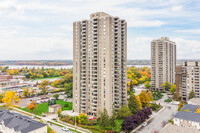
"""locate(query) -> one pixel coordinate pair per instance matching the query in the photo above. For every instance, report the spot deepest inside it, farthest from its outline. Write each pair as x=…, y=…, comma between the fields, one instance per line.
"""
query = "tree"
x=135, y=82
x=26, y=92
x=124, y=112
x=59, y=112
x=54, y=101
x=150, y=95
x=133, y=104
x=10, y=97
x=56, y=96
x=139, y=102
x=191, y=94
x=144, y=98
x=113, y=122
x=56, y=83
x=147, y=85
x=173, y=89
x=82, y=118
x=180, y=105
x=32, y=106
x=104, y=119
x=133, y=121
x=44, y=85
x=167, y=86
x=68, y=88
x=1, y=98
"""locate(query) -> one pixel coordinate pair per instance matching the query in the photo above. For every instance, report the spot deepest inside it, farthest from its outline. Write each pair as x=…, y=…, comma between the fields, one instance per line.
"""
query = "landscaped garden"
x=157, y=95
x=43, y=107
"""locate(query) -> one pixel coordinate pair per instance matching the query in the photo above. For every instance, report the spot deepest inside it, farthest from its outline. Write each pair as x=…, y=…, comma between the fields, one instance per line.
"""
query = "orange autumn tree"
x=32, y=106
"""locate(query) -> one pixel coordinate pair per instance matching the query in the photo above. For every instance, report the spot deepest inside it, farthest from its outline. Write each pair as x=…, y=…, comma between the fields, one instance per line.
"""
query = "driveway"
x=158, y=120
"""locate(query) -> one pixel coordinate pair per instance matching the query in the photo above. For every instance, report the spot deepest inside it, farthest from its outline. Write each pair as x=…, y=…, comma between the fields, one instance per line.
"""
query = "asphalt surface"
x=59, y=129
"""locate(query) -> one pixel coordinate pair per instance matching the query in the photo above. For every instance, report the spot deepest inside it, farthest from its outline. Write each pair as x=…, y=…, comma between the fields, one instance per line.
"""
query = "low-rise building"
x=169, y=128
x=9, y=82
x=194, y=101
x=187, y=119
x=17, y=123
x=54, y=108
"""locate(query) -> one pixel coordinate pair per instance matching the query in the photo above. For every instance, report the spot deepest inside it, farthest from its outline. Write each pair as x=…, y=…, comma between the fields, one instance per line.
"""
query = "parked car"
x=144, y=124
x=65, y=129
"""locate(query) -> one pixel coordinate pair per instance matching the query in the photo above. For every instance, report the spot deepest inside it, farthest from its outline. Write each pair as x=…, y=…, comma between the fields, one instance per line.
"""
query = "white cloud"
x=187, y=49
x=195, y=31
x=177, y=8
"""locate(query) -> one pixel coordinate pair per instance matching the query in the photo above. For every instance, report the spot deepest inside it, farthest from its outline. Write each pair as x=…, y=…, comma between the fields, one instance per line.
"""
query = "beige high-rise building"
x=163, y=62
x=99, y=64
x=190, y=79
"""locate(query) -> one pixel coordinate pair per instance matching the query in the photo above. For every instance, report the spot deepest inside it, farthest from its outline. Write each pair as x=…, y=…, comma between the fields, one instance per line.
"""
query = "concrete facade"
x=163, y=62
x=99, y=64
x=190, y=79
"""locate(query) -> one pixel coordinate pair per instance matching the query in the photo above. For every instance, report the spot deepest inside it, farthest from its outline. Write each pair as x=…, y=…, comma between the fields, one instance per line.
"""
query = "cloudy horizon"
x=42, y=29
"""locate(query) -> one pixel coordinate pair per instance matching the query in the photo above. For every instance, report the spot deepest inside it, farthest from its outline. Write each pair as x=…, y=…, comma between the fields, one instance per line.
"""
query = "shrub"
x=155, y=106
x=66, y=105
x=168, y=100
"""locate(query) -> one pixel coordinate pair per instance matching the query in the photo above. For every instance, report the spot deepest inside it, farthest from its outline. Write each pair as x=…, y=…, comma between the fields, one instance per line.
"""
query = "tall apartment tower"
x=99, y=64
x=163, y=62
x=190, y=79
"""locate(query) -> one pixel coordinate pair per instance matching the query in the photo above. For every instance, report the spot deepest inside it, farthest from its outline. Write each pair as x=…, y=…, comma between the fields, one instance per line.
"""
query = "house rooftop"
x=19, y=122
x=194, y=101
x=169, y=128
x=190, y=107
x=188, y=116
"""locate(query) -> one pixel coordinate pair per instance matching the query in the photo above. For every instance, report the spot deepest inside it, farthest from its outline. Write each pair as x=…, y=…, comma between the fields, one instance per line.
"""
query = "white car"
x=65, y=129
x=144, y=124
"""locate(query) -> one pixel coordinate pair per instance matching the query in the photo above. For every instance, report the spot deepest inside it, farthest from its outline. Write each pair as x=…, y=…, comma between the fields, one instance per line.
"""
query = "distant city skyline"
x=43, y=29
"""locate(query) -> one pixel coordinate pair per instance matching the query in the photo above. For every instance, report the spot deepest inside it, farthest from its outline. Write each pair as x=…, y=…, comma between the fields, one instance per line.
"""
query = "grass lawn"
x=43, y=107
x=117, y=128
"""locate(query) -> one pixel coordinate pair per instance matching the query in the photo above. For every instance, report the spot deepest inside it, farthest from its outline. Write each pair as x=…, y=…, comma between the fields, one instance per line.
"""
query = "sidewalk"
x=69, y=126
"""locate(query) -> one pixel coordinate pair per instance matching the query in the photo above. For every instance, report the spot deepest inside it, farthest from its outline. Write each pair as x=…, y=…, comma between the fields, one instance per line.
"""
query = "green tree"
x=56, y=96
x=124, y=112
x=133, y=104
x=167, y=86
x=113, y=122
x=104, y=119
x=68, y=88
x=173, y=89
x=1, y=97
x=191, y=94
x=147, y=85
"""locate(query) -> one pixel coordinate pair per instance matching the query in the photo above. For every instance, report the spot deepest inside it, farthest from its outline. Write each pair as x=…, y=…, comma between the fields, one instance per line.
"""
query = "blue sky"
x=42, y=29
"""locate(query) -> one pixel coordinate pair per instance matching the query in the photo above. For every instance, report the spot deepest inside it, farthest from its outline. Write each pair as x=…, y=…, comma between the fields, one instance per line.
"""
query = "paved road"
x=156, y=124
x=59, y=130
